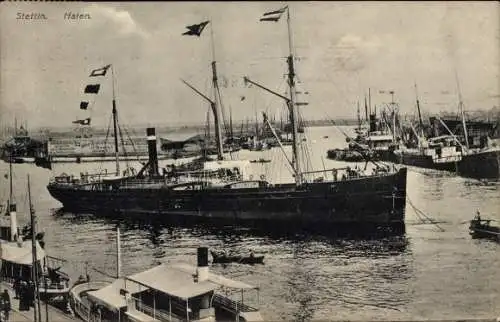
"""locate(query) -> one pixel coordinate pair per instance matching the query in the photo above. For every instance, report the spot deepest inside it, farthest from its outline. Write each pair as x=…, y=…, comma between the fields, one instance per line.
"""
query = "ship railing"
x=82, y=310
x=163, y=315
x=51, y=285
x=340, y=174
x=448, y=158
x=232, y=305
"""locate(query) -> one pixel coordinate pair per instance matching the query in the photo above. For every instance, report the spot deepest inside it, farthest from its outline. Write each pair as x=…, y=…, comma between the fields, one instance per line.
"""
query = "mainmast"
x=292, y=103
x=115, y=123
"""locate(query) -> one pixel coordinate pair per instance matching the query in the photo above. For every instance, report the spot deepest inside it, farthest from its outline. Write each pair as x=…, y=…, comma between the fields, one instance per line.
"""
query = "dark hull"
x=481, y=165
x=349, y=155
x=249, y=260
x=385, y=155
x=486, y=232
x=363, y=203
x=425, y=161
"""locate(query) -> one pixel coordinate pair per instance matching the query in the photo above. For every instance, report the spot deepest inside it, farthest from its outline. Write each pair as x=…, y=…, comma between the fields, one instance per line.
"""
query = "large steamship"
x=223, y=190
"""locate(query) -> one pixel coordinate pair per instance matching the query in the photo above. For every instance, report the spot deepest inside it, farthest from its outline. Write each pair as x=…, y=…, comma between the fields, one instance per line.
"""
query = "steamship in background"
x=376, y=138
x=469, y=148
x=224, y=190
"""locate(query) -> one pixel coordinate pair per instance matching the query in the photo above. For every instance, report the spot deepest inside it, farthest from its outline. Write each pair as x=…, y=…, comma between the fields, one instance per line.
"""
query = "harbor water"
x=436, y=271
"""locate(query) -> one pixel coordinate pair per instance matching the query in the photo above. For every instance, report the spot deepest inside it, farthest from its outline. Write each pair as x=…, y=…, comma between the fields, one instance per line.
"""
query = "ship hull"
x=481, y=165
x=426, y=161
x=366, y=202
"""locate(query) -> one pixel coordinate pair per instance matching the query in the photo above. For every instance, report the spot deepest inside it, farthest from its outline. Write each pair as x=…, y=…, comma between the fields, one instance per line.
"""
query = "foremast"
x=196, y=30
x=115, y=123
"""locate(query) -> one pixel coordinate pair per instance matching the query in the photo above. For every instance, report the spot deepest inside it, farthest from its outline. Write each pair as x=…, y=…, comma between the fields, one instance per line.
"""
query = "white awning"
x=173, y=281
x=110, y=296
x=20, y=253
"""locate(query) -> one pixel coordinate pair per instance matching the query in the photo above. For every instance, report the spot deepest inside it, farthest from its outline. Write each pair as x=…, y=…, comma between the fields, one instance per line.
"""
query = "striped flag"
x=273, y=15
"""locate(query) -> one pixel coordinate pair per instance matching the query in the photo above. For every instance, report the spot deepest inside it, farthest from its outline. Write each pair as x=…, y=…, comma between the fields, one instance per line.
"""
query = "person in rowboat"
x=478, y=216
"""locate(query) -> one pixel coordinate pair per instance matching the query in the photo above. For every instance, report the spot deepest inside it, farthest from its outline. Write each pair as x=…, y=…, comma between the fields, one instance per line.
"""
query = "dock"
x=55, y=314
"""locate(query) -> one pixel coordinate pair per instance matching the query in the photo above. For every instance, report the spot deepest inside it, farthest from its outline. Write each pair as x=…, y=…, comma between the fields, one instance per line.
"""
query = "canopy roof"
x=173, y=281
x=20, y=253
x=110, y=294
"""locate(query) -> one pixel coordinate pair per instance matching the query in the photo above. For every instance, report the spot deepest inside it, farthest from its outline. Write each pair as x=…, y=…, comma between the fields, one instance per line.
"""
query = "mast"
x=215, y=105
x=34, y=266
x=118, y=254
x=231, y=135
x=419, y=113
x=292, y=103
x=115, y=123
x=359, y=118
x=462, y=112
x=366, y=111
x=370, y=101
x=12, y=207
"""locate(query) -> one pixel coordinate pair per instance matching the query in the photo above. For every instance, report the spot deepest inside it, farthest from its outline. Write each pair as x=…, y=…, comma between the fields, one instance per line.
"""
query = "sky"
x=342, y=49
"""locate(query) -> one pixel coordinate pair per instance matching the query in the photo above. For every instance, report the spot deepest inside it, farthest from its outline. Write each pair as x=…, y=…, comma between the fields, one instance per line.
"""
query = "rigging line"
x=105, y=145
x=430, y=220
x=133, y=144
x=122, y=141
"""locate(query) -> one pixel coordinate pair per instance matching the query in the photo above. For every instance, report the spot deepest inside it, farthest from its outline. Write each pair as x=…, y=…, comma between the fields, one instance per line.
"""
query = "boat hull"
x=426, y=161
x=365, y=202
x=481, y=165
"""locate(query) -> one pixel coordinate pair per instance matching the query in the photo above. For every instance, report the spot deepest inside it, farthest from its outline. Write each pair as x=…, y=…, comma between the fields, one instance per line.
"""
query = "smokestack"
x=202, y=268
x=373, y=122
x=153, y=154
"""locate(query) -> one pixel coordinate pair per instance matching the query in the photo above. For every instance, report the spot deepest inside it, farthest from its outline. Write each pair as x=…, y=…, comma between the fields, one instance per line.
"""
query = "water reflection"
x=221, y=230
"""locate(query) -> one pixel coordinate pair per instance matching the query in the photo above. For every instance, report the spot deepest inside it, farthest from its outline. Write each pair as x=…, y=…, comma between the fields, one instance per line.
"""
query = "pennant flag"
x=43, y=163
x=195, y=30
x=92, y=89
x=83, y=122
x=84, y=105
x=273, y=15
x=100, y=71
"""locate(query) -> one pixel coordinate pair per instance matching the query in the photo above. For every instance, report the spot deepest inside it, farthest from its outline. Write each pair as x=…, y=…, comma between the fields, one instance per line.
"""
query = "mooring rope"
x=421, y=214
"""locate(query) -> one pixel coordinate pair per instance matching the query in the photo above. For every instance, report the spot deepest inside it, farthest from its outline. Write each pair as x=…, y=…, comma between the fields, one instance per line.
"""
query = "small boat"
x=261, y=160
x=224, y=259
x=481, y=228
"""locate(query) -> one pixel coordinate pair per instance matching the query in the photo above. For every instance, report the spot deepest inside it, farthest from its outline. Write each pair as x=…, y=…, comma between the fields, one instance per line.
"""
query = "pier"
x=54, y=314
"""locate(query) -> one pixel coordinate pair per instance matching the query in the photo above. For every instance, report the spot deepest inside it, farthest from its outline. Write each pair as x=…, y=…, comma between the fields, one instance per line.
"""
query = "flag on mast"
x=83, y=122
x=273, y=15
x=196, y=30
x=92, y=89
x=84, y=105
x=100, y=71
